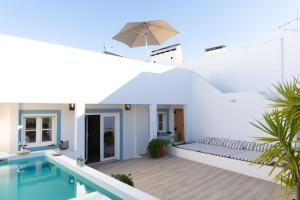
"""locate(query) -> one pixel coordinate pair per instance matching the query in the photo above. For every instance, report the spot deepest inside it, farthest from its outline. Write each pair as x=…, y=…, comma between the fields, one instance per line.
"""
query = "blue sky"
x=89, y=24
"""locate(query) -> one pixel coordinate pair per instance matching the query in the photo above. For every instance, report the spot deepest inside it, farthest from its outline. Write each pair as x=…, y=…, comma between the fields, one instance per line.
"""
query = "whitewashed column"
x=9, y=127
x=152, y=121
x=14, y=127
x=187, y=123
x=80, y=129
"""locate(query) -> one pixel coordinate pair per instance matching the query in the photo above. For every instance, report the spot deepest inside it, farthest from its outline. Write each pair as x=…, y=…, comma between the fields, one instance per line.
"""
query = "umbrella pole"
x=146, y=44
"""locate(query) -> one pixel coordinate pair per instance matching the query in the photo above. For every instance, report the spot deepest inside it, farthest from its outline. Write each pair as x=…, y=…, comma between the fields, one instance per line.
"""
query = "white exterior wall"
x=152, y=121
x=135, y=127
x=103, y=81
x=142, y=129
x=168, y=58
x=253, y=68
x=84, y=77
x=79, y=133
x=81, y=76
x=67, y=119
x=9, y=127
x=291, y=59
x=129, y=132
x=214, y=114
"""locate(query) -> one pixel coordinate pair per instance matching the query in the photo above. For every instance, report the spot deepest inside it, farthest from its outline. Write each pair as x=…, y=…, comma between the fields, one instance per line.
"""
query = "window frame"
x=30, y=130
x=39, y=129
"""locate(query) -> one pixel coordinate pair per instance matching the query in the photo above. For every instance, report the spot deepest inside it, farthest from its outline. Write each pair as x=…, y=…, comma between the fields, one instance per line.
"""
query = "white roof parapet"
x=39, y=72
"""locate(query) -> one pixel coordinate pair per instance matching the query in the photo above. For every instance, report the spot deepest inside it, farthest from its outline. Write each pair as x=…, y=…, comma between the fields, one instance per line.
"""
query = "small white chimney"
x=170, y=55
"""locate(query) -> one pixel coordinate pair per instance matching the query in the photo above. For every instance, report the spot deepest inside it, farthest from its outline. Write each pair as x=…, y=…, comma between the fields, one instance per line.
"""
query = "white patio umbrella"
x=136, y=34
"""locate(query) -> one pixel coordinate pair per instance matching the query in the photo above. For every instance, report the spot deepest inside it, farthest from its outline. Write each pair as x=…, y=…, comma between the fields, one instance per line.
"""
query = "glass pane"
x=46, y=135
x=30, y=136
x=160, y=121
x=160, y=126
x=160, y=118
x=30, y=123
x=109, y=137
x=47, y=122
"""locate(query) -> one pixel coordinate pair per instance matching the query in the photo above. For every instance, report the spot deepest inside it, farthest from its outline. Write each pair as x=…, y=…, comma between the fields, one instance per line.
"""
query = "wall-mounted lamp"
x=72, y=106
x=127, y=106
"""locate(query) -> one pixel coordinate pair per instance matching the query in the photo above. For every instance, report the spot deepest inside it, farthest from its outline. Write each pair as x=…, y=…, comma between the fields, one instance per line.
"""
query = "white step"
x=92, y=196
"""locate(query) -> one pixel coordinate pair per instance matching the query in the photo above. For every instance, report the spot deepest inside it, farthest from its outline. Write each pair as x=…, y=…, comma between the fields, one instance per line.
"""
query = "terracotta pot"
x=163, y=151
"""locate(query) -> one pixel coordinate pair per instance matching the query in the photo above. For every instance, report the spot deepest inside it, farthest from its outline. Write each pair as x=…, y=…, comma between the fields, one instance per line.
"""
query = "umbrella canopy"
x=136, y=34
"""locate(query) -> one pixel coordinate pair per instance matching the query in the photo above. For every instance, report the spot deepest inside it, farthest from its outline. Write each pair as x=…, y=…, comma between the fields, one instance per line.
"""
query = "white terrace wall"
x=65, y=75
x=253, y=68
x=217, y=114
x=242, y=73
x=291, y=59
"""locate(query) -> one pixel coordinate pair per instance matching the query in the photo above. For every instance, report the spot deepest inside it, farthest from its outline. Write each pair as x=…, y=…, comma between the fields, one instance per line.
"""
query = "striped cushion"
x=250, y=146
x=241, y=145
x=210, y=149
x=205, y=140
x=221, y=141
x=218, y=141
x=233, y=144
x=268, y=146
x=262, y=147
x=239, y=154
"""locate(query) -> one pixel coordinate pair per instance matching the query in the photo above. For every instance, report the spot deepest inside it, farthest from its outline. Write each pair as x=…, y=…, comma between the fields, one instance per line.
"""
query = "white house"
x=109, y=107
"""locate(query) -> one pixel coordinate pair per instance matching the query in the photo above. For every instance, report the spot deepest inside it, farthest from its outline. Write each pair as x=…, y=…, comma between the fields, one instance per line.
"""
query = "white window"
x=162, y=122
x=39, y=130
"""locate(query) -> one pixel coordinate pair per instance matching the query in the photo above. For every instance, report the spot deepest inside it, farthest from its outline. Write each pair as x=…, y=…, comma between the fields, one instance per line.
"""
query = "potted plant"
x=124, y=178
x=157, y=147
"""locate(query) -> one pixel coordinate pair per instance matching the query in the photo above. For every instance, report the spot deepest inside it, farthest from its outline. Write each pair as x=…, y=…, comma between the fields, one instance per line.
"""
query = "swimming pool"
x=39, y=178
x=46, y=178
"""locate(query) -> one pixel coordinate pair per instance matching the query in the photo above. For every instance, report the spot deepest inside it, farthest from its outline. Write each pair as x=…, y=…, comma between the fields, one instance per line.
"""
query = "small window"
x=162, y=122
x=30, y=130
x=47, y=129
x=39, y=130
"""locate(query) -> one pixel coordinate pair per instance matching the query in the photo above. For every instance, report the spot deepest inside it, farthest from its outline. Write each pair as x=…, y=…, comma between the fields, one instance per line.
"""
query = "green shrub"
x=155, y=146
x=124, y=178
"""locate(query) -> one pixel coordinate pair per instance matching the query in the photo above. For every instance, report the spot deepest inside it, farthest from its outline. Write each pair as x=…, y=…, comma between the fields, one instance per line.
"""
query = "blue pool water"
x=39, y=178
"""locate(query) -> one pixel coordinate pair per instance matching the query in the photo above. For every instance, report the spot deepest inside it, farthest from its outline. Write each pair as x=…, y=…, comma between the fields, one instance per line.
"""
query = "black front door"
x=92, y=127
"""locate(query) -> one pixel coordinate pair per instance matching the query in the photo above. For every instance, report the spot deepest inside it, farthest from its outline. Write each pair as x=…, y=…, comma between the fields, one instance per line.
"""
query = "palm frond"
x=288, y=99
x=284, y=154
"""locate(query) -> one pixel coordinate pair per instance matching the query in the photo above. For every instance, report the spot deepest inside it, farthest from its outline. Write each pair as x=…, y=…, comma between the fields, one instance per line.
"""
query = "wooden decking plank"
x=177, y=178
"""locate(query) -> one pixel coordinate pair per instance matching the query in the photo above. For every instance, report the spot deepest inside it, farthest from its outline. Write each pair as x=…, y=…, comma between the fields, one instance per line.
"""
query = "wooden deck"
x=176, y=178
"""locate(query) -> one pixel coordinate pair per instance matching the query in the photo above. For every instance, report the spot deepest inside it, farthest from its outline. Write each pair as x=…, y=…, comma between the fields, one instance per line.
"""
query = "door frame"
x=87, y=137
x=117, y=134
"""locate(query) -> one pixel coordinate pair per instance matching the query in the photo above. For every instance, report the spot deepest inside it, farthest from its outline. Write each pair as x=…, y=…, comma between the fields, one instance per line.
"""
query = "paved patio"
x=177, y=178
